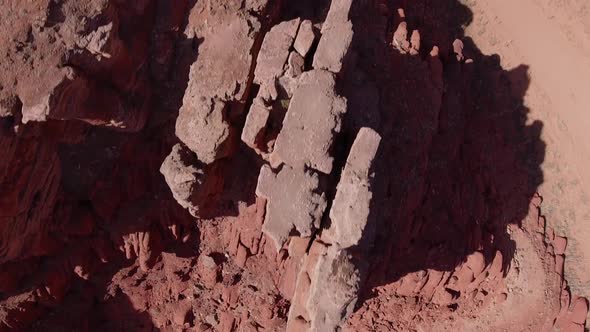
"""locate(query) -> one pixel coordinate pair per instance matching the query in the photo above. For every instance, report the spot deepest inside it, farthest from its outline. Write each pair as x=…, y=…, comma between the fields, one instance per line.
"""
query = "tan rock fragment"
x=326, y=291
x=222, y=67
x=458, y=49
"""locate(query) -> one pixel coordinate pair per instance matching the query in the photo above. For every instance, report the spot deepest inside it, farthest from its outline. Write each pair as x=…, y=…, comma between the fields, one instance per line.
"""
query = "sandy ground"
x=552, y=38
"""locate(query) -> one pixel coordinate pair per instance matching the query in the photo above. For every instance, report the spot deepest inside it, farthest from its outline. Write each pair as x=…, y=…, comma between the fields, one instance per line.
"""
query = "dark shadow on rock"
x=115, y=177
x=96, y=306
x=459, y=162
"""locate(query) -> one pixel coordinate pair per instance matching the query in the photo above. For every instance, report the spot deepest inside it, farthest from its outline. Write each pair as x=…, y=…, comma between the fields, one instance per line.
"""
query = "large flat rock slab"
x=313, y=119
x=295, y=202
x=336, y=38
x=350, y=210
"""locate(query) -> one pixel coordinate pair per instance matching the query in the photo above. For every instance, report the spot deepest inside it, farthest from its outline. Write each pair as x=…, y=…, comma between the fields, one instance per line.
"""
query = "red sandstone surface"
x=262, y=165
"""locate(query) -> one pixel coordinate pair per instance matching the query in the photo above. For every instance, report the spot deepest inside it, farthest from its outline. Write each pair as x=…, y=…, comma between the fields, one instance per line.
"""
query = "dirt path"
x=553, y=39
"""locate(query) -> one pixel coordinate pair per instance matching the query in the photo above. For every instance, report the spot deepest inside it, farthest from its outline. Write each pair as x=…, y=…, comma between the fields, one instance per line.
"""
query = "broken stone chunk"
x=334, y=290
x=336, y=38
x=189, y=180
x=295, y=202
x=255, y=123
x=295, y=64
x=326, y=291
x=275, y=51
x=305, y=38
x=350, y=209
x=312, y=120
x=204, y=130
x=208, y=271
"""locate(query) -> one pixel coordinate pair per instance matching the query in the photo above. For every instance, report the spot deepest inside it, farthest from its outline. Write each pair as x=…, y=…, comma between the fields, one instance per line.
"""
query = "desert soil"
x=552, y=38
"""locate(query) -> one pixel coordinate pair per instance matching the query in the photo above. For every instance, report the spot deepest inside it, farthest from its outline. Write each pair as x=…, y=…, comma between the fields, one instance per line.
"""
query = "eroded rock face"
x=333, y=291
x=50, y=88
x=26, y=205
x=312, y=121
x=222, y=66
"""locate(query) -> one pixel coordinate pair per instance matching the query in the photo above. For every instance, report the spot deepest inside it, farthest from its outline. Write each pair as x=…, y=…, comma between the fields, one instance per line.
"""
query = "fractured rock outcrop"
x=313, y=119
x=328, y=284
x=295, y=202
x=400, y=38
x=219, y=76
